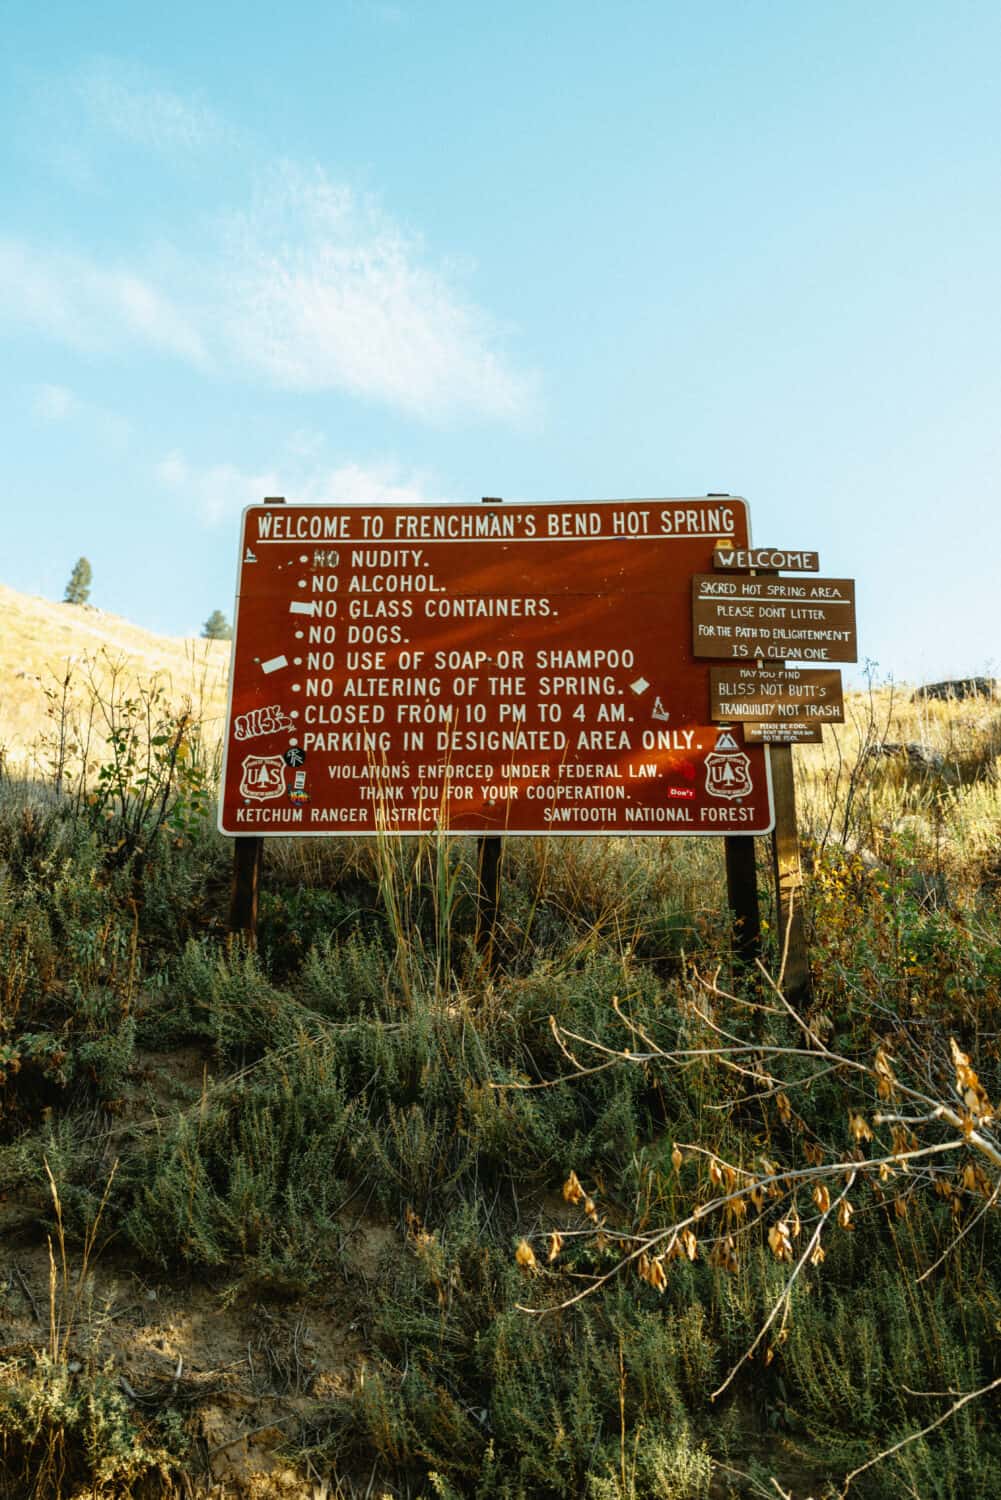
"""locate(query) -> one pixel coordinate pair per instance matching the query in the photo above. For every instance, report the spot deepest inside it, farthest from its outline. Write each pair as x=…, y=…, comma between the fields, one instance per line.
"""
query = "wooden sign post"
x=248, y=861
x=488, y=867
x=752, y=618
x=742, y=898
x=795, y=961
x=528, y=669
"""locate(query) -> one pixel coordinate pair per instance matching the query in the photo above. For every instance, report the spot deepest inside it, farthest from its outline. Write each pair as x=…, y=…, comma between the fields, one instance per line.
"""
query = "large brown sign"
x=774, y=694
x=810, y=619
x=480, y=668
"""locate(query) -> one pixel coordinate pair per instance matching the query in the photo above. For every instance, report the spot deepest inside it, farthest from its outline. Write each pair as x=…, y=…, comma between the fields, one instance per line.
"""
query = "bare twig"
x=25, y=1286
x=962, y=1233
x=244, y=1437
x=783, y=1300
x=789, y=1179
x=912, y=1437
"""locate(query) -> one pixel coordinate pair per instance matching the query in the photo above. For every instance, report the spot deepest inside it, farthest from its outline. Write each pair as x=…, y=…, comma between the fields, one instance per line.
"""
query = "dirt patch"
x=243, y=1375
x=366, y=1244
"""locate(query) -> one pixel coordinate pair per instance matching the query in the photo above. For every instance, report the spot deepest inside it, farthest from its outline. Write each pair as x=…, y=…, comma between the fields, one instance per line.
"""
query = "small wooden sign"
x=783, y=734
x=773, y=695
x=768, y=559
x=739, y=618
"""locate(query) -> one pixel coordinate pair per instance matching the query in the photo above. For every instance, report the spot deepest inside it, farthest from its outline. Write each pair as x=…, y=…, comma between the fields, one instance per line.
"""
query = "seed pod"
x=525, y=1256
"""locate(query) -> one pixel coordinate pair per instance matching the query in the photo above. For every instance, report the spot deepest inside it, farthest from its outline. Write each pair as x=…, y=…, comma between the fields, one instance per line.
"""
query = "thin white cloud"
x=301, y=285
x=305, y=442
x=57, y=404
x=217, y=492
x=54, y=403
x=326, y=293
x=79, y=302
x=355, y=484
x=130, y=102
x=72, y=164
x=379, y=10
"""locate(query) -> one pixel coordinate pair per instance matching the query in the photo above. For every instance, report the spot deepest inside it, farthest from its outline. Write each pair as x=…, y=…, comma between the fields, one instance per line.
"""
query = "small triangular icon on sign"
x=659, y=711
x=726, y=741
x=249, y=556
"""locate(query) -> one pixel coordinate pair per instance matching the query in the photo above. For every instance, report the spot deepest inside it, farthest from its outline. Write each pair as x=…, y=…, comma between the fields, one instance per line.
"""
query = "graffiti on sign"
x=261, y=721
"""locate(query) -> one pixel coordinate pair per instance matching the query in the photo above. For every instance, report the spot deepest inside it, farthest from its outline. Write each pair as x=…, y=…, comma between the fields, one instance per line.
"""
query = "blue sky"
x=351, y=251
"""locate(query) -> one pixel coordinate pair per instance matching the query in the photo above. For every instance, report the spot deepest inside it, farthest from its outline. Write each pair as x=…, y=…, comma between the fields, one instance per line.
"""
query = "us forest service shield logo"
x=728, y=769
x=263, y=777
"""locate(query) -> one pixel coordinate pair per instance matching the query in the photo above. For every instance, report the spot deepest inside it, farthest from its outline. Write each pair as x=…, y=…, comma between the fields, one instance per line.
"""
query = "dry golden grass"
x=42, y=642
x=937, y=795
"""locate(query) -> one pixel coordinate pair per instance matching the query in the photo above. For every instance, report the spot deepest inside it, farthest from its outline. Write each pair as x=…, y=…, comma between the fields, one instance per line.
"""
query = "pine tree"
x=217, y=627
x=78, y=588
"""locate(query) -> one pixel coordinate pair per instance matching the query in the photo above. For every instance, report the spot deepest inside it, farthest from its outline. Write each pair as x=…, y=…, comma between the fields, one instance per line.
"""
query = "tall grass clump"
x=67, y=1428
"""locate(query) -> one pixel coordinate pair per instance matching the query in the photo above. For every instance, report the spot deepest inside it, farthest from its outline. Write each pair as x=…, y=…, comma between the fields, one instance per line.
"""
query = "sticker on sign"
x=783, y=734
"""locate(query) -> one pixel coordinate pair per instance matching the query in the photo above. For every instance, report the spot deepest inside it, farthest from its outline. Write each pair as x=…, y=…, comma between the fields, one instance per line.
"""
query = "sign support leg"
x=742, y=897
x=488, y=853
x=797, y=984
x=248, y=860
x=248, y=857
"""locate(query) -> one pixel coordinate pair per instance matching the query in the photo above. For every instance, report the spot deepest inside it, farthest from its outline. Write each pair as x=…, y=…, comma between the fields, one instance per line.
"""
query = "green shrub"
x=251, y=1177
x=67, y=1432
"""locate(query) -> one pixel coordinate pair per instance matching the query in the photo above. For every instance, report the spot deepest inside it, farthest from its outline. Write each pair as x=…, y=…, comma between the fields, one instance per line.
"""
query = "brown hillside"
x=42, y=643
